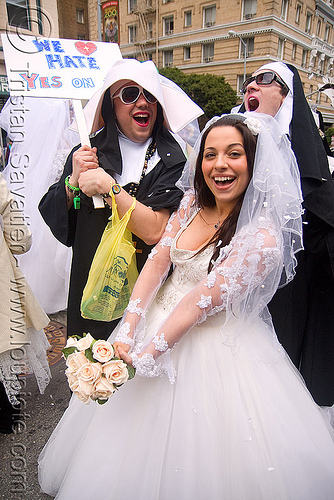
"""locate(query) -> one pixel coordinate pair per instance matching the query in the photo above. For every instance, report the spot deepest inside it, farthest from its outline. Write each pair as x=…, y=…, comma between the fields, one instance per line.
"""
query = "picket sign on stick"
x=61, y=68
x=85, y=141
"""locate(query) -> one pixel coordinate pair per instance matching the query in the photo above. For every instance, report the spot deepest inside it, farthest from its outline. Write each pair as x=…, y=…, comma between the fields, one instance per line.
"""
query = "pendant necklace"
x=216, y=225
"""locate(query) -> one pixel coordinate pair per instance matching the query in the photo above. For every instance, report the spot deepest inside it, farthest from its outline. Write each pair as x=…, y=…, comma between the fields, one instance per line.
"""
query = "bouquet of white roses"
x=93, y=371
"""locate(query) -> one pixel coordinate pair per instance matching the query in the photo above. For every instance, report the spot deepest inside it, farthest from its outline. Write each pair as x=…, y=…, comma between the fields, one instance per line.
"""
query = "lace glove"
x=125, y=332
x=147, y=366
x=153, y=274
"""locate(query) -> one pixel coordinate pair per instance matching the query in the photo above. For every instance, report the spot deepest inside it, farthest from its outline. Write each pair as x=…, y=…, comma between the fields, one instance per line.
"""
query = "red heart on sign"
x=85, y=48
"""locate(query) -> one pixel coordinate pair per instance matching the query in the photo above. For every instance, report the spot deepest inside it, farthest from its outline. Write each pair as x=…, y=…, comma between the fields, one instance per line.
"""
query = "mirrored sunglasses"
x=129, y=95
x=262, y=79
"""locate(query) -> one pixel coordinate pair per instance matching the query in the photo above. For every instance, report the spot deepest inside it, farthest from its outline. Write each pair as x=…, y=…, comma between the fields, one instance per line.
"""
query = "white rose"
x=79, y=392
x=71, y=342
x=103, y=351
x=85, y=388
x=71, y=377
x=75, y=360
x=103, y=389
x=116, y=372
x=89, y=372
x=85, y=342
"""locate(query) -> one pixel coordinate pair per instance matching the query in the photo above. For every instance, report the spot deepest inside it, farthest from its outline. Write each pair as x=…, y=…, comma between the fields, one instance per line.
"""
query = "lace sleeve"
x=236, y=285
x=152, y=276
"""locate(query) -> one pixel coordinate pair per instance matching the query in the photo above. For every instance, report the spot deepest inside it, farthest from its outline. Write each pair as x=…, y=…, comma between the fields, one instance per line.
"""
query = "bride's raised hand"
x=120, y=346
x=123, y=354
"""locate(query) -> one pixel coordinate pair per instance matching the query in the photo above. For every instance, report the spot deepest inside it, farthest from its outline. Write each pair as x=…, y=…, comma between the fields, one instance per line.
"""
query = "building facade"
x=74, y=19
x=33, y=17
x=234, y=37
x=222, y=37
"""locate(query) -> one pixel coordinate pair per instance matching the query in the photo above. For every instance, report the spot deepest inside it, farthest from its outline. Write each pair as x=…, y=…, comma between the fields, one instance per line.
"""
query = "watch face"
x=116, y=188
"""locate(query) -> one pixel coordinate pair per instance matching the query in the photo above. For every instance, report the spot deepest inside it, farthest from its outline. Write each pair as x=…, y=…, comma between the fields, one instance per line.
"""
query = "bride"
x=216, y=409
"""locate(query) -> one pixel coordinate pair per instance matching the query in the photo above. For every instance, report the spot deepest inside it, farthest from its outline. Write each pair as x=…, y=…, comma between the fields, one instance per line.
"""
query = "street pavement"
x=19, y=452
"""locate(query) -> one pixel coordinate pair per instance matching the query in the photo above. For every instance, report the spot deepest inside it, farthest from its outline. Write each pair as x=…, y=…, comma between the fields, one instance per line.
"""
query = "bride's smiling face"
x=224, y=165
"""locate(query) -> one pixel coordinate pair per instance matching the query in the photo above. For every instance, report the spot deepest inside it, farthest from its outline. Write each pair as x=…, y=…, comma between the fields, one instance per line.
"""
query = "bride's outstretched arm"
x=239, y=278
x=150, y=279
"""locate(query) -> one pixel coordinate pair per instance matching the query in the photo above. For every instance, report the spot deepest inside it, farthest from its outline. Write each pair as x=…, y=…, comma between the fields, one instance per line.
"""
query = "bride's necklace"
x=215, y=225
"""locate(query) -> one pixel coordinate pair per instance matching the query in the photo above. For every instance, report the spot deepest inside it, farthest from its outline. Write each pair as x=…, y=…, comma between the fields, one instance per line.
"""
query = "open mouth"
x=253, y=103
x=142, y=119
x=223, y=180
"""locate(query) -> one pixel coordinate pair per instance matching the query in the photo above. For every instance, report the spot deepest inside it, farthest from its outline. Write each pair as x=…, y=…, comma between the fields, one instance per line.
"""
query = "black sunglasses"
x=262, y=79
x=129, y=95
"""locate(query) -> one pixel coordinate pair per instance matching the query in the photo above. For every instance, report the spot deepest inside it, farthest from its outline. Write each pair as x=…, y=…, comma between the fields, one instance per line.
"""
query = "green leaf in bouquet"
x=101, y=401
x=131, y=371
x=69, y=350
x=89, y=355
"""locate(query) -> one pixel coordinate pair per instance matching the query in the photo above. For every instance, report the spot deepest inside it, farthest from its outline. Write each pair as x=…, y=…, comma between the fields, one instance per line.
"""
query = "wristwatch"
x=115, y=188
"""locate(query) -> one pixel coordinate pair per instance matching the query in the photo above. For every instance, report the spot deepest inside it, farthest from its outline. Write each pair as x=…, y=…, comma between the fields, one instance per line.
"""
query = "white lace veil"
x=273, y=194
x=275, y=185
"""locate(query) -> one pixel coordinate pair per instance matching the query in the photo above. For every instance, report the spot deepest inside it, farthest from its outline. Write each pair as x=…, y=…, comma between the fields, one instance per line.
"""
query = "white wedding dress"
x=238, y=423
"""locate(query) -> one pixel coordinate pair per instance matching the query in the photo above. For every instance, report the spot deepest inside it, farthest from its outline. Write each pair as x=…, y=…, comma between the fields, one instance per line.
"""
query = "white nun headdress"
x=284, y=114
x=178, y=109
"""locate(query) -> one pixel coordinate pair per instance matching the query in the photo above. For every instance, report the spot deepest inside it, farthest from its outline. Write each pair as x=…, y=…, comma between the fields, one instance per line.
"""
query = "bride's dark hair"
x=205, y=197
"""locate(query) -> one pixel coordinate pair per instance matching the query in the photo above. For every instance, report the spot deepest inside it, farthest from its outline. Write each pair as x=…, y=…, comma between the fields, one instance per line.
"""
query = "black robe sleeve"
x=53, y=208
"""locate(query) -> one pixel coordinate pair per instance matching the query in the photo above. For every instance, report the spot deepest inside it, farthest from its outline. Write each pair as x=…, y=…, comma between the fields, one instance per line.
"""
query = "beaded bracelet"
x=76, y=199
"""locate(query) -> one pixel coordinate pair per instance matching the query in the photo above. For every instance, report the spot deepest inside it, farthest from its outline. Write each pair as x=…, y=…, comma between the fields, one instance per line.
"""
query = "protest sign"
x=53, y=67
x=58, y=68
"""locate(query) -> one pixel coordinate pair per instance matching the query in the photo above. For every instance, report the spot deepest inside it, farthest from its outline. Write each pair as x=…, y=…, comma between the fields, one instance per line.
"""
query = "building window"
x=280, y=48
x=318, y=28
x=149, y=30
x=327, y=32
x=240, y=82
x=249, y=9
x=249, y=47
x=208, y=52
x=186, y=53
x=284, y=9
x=308, y=22
x=168, y=58
x=167, y=1
x=187, y=18
x=39, y=17
x=81, y=36
x=168, y=25
x=304, y=58
x=132, y=6
x=298, y=11
x=132, y=30
x=18, y=13
x=209, y=16
x=80, y=16
x=294, y=51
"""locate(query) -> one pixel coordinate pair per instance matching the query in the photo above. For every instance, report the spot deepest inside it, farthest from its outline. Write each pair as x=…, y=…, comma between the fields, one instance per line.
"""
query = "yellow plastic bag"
x=113, y=271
